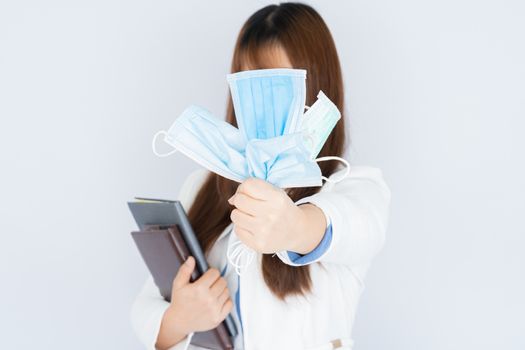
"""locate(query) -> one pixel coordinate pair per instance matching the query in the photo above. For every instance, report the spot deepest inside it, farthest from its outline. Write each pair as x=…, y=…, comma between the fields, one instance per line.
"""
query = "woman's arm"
x=358, y=209
x=311, y=227
x=146, y=314
x=195, y=306
x=344, y=223
x=169, y=334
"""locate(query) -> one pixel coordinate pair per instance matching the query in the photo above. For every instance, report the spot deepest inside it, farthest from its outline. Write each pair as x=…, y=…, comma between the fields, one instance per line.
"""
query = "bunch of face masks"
x=276, y=141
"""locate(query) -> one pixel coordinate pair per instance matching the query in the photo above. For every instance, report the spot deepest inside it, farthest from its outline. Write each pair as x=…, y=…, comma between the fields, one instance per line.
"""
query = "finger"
x=226, y=308
x=184, y=274
x=241, y=219
x=218, y=287
x=247, y=204
x=257, y=188
x=223, y=297
x=209, y=277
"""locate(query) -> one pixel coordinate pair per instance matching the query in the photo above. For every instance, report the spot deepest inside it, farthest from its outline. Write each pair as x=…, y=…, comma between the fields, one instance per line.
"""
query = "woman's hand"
x=268, y=221
x=195, y=307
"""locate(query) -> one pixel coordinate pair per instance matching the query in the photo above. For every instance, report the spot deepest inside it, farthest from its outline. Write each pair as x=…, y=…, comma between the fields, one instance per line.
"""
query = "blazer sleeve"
x=357, y=208
x=149, y=306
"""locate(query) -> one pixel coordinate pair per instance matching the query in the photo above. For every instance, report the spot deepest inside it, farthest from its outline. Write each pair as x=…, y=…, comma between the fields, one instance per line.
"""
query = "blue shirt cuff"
x=321, y=248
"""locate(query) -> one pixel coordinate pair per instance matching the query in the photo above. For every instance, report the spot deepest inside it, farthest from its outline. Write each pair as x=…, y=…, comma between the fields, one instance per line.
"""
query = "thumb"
x=183, y=276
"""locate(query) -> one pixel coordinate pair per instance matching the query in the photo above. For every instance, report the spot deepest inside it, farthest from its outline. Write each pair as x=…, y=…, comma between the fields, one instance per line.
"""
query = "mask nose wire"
x=154, y=145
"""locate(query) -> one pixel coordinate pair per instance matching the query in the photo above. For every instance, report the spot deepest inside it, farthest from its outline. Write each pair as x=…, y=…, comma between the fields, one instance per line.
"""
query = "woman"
x=308, y=299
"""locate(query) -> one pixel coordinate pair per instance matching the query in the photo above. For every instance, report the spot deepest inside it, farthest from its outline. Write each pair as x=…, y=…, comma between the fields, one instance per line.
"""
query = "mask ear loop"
x=154, y=145
x=344, y=161
x=239, y=255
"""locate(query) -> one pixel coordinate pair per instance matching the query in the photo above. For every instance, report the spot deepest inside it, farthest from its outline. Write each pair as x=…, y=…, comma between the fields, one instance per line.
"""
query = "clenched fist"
x=268, y=221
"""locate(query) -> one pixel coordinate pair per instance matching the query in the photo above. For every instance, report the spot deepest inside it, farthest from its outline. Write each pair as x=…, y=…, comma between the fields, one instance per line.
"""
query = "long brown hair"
x=302, y=33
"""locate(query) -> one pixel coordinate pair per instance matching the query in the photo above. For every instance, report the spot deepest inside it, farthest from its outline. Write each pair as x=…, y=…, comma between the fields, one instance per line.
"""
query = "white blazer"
x=357, y=208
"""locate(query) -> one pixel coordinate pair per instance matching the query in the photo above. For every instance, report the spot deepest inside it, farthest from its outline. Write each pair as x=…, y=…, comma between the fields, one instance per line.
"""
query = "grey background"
x=435, y=98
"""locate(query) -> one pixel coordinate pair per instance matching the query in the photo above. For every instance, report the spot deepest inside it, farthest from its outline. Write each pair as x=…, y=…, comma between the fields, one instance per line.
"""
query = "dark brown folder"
x=164, y=250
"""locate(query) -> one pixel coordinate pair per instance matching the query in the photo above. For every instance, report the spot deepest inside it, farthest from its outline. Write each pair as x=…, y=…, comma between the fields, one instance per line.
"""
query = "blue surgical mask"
x=284, y=161
x=268, y=102
x=209, y=141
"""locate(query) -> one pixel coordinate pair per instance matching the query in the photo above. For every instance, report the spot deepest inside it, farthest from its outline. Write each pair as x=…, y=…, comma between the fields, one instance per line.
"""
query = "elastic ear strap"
x=239, y=255
x=154, y=145
x=344, y=161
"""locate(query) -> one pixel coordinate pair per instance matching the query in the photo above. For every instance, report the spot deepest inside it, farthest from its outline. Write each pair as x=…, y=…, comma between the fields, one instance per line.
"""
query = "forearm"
x=169, y=333
x=311, y=227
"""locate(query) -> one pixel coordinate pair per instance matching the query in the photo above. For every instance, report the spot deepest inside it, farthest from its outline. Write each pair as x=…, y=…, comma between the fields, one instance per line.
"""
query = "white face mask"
x=317, y=123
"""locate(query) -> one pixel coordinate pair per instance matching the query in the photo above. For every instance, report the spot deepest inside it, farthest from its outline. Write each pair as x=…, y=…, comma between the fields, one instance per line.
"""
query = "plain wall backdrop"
x=435, y=97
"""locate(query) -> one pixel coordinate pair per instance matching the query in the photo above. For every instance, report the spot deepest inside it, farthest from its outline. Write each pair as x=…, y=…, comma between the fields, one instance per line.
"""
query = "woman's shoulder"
x=191, y=186
x=365, y=171
x=358, y=171
x=360, y=176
